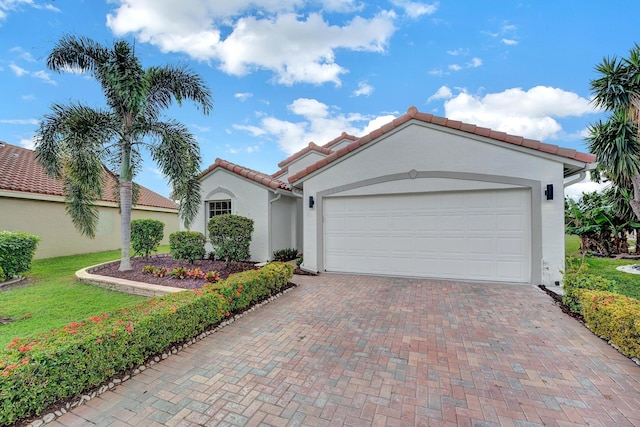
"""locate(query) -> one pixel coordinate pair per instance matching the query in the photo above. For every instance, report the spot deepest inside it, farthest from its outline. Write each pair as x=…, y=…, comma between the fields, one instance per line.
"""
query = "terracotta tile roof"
x=259, y=177
x=342, y=137
x=413, y=114
x=20, y=171
x=311, y=147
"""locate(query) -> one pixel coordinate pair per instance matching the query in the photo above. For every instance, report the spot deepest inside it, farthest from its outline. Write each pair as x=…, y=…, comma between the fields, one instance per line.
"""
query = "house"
x=32, y=202
x=423, y=196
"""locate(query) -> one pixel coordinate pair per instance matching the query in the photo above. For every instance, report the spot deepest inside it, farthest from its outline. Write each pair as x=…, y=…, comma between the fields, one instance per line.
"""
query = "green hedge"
x=613, y=317
x=39, y=371
x=578, y=280
x=187, y=245
x=146, y=235
x=230, y=237
x=16, y=253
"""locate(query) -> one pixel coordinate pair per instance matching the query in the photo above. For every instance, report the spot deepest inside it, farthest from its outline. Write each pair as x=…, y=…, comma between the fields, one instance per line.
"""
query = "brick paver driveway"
x=356, y=350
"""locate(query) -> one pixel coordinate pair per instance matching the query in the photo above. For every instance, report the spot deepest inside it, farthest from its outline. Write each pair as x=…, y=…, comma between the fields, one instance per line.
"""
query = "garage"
x=466, y=235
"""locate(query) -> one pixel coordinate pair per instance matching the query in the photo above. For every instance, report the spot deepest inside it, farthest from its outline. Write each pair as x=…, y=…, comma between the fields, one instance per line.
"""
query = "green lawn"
x=55, y=298
x=628, y=284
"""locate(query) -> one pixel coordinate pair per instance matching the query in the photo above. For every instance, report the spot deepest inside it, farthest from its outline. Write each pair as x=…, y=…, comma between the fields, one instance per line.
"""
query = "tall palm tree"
x=616, y=142
x=74, y=141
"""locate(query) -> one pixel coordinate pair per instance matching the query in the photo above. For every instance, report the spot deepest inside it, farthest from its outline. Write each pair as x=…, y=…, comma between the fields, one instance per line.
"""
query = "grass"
x=628, y=284
x=54, y=298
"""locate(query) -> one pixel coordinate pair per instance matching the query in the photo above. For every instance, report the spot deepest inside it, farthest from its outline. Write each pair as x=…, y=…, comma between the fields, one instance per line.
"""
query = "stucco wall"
x=424, y=148
x=58, y=237
x=283, y=224
x=300, y=163
x=248, y=199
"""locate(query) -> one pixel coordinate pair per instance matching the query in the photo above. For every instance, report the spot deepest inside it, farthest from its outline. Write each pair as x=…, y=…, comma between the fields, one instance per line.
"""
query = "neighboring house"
x=422, y=196
x=32, y=202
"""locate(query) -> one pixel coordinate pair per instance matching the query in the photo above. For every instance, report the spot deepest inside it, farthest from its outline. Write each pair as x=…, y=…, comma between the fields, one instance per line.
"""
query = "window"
x=219, y=207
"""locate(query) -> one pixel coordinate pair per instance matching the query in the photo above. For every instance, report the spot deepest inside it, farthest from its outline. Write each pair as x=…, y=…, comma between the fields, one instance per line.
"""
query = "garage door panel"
x=471, y=235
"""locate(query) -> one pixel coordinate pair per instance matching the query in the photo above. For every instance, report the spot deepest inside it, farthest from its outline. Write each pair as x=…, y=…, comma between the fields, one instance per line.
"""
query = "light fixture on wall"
x=311, y=202
x=549, y=192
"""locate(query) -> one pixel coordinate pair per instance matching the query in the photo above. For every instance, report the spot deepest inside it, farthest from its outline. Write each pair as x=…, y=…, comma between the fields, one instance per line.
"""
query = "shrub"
x=179, y=272
x=16, y=252
x=146, y=235
x=39, y=371
x=2, y=278
x=212, y=276
x=284, y=255
x=187, y=245
x=613, y=317
x=230, y=236
x=577, y=280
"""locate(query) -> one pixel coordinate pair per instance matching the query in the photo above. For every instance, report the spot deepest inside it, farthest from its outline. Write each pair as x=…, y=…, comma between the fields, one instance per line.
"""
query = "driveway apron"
x=361, y=350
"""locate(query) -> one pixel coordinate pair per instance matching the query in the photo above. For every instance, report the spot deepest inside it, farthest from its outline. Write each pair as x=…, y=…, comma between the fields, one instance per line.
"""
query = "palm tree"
x=616, y=142
x=74, y=141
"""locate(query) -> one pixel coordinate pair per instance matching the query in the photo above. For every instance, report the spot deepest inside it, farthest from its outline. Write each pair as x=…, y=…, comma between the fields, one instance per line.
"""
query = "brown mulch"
x=205, y=265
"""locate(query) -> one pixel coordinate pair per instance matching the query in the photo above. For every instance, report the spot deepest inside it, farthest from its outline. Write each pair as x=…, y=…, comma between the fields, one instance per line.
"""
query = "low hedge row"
x=48, y=368
x=613, y=317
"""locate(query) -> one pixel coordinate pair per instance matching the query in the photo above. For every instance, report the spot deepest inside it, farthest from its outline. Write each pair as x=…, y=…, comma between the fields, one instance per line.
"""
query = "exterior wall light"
x=549, y=192
x=311, y=202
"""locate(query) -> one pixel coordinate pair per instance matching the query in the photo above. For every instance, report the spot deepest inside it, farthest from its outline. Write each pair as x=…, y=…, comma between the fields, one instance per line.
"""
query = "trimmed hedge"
x=39, y=371
x=187, y=245
x=16, y=252
x=146, y=235
x=577, y=281
x=613, y=317
x=230, y=236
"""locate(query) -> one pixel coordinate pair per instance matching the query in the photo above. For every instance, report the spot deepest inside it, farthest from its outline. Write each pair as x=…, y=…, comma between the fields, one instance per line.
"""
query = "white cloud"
x=415, y=9
x=455, y=67
x=475, y=63
x=442, y=93
x=243, y=96
x=363, y=89
x=318, y=122
x=44, y=76
x=18, y=71
x=585, y=186
x=509, y=42
x=529, y=113
x=457, y=52
x=22, y=54
x=20, y=121
x=27, y=143
x=248, y=35
x=7, y=6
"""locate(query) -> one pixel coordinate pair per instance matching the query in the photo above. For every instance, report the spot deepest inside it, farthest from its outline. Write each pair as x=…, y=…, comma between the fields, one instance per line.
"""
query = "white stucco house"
x=422, y=196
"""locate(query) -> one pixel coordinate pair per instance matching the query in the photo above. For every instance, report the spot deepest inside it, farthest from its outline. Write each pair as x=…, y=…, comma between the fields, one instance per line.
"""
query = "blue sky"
x=287, y=72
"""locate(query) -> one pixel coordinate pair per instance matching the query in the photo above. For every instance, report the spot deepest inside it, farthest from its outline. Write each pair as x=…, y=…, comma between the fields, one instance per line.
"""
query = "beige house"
x=423, y=196
x=32, y=202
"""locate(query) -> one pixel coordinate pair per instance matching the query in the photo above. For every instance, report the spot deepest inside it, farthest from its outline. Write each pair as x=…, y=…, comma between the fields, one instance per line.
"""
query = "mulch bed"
x=205, y=265
x=138, y=263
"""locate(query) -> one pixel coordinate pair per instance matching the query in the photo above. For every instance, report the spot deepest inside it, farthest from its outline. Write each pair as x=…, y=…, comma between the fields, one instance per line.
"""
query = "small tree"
x=146, y=235
x=230, y=237
x=187, y=245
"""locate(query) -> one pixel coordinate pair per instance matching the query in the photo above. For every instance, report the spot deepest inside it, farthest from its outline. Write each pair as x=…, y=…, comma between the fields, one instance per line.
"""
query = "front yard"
x=55, y=298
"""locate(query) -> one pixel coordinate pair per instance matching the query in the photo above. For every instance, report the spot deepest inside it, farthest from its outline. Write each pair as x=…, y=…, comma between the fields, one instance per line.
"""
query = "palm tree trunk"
x=125, y=225
x=635, y=197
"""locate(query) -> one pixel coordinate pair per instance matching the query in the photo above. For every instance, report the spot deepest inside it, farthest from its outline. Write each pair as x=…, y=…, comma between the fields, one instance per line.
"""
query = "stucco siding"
x=58, y=237
x=300, y=163
x=248, y=199
x=421, y=158
x=283, y=224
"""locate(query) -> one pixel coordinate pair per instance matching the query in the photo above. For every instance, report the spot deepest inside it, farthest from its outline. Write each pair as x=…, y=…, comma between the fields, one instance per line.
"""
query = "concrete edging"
x=123, y=285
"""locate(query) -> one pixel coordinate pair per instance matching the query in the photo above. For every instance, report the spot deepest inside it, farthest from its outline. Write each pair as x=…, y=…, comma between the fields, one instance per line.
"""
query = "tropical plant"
x=74, y=141
x=230, y=236
x=616, y=142
x=146, y=235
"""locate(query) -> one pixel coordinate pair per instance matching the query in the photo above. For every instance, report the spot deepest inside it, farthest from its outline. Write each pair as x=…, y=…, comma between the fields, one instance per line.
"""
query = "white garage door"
x=468, y=235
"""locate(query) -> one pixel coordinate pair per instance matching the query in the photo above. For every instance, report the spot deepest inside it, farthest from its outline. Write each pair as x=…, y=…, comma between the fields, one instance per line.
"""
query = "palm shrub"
x=16, y=253
x=230, y=236
x=146, y=235
x=187, y=245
